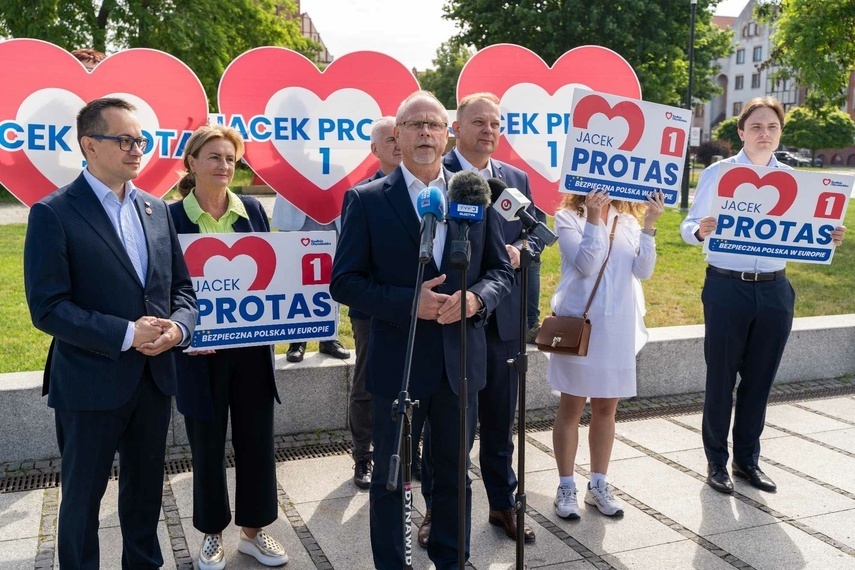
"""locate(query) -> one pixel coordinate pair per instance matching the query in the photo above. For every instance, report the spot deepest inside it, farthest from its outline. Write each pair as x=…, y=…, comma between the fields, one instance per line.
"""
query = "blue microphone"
x=430, y=205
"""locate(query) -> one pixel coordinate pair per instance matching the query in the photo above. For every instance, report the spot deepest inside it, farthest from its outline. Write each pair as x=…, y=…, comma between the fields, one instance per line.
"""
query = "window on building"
x=738, y=82
x=740, y=56
x=737, y=107
x=758, y=53
x=755, y=81
x=699, y=110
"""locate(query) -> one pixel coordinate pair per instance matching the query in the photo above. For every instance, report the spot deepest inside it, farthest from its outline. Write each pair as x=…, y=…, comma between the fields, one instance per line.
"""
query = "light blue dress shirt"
x=702, y=207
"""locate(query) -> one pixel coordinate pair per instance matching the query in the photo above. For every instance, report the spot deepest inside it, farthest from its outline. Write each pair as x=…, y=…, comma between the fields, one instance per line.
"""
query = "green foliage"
x=826, y=128
x=708, y=149
x=728, y=131
x=652, y=36
x=205, y=34
x=814, y=42
x=442, y=79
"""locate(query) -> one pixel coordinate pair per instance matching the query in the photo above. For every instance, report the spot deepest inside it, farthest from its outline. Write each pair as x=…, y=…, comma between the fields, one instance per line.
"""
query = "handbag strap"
x=602, y=269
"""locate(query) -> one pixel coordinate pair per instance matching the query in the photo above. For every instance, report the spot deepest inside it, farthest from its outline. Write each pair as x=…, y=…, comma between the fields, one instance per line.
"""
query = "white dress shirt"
x=414, y=186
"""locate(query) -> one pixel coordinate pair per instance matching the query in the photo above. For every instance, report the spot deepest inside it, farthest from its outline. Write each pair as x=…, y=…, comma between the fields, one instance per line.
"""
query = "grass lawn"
x=673, y=293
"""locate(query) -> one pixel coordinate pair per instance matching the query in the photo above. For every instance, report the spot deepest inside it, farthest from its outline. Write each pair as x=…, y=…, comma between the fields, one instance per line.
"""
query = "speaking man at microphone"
x=374, y=272
x=477, y=132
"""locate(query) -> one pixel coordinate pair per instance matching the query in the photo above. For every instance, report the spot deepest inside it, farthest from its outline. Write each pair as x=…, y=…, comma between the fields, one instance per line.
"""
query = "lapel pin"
x=148, y=207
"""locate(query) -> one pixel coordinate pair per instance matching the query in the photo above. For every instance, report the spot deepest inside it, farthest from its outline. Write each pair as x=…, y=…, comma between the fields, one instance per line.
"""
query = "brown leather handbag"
x=570, y=335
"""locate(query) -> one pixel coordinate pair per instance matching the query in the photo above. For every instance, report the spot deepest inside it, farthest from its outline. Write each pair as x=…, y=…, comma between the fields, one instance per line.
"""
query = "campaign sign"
x=535, y=103
x=775, y=212
x=307, y=131
x=261, y=288
x=44, y=87
x=625, y=146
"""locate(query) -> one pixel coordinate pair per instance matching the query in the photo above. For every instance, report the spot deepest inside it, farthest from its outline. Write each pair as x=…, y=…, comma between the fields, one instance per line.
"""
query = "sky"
x=413, y=30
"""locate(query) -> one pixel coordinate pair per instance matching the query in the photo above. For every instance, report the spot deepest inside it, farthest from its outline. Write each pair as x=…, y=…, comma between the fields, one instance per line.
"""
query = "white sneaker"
x=264, y=548
x=602, y=498
x=566, y=505
x=211, y=555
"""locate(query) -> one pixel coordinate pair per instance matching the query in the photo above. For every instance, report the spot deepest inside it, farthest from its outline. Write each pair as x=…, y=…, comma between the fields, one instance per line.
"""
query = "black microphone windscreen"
x=496, y=188
x=469, y=187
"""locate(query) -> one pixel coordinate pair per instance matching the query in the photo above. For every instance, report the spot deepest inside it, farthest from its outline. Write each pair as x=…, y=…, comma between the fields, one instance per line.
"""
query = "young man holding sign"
x=748, y=314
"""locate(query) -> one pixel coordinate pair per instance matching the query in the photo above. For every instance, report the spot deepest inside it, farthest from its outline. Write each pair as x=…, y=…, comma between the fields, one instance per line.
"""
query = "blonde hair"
x=576, y=203
x=197, y=140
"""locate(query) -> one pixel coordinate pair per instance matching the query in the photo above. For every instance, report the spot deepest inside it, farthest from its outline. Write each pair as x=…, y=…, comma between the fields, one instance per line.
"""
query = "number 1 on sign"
x=553, y=153
x=325, y=159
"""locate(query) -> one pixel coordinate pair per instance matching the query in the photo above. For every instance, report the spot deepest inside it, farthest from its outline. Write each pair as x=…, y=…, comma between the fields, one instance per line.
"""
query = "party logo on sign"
x=200, y=251
x=781, y=181
x=626, y=110
x=535, y=102
x=307, y=131
x=44, y=87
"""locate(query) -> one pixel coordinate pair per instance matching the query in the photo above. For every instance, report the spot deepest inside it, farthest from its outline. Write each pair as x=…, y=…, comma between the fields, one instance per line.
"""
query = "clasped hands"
x=443, y=308
x=153, y=335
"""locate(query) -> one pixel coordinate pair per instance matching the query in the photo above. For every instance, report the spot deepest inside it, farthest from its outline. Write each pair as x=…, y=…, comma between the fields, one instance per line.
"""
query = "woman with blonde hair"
x=238, y=381
x=593, y=231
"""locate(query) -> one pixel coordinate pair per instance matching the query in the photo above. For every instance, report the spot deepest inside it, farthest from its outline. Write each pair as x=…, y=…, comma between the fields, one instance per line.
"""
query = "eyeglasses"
x=417, y=126
x=125, y=143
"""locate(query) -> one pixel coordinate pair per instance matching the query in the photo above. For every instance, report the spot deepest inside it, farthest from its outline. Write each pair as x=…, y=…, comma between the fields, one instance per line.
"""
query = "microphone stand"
x=402, y=414
x=520, y=363
x=460, y=256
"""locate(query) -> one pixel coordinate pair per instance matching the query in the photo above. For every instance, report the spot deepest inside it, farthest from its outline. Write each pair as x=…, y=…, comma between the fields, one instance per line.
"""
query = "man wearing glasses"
x=373, y=272
x=105, y=277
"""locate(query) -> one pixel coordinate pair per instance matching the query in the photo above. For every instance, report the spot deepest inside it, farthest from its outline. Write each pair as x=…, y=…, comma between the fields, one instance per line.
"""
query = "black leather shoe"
x=296, y=351
x=718, y=479
x=755, y=477
x=507, y=519
x=362, y=473
x=424, y=530
x=334, y=348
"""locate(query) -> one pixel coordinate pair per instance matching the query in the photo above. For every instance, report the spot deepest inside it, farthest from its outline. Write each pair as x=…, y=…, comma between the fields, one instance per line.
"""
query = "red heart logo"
x=305, y=241
x=313, y=144
x=826, y=181
x=44, y=87
x=593, y=104
x=668, y=115
x=783, y=182
x=526, y=85
x=203, y=249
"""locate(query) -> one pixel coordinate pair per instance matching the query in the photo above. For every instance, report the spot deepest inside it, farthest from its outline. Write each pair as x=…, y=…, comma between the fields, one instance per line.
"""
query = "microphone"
x=430, y=205
x=468, y=195
x=511, y=204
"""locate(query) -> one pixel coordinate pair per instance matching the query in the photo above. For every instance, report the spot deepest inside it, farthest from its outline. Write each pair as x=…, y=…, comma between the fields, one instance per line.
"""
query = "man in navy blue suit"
x=477, y=130
x=374, y=272
x=105, y=277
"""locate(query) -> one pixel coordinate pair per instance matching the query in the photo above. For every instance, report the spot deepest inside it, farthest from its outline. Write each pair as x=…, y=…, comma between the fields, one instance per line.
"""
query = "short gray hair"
x=382, y=122
x=415, y=96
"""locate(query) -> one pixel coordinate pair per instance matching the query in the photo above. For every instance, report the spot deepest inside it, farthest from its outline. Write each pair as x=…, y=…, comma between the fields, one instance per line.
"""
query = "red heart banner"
x=307, y=131
x=203, y=249
x=781, y=181
x=43, y=89
x=535, y=103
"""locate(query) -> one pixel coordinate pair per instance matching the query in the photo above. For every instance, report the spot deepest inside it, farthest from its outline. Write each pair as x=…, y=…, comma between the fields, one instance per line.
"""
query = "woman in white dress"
x=607, y=373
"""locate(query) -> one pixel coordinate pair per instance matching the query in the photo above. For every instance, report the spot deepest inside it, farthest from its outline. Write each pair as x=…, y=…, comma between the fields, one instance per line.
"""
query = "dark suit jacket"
x=375, y=270
x=82, y=290
x=194, y=397
x=507, y=314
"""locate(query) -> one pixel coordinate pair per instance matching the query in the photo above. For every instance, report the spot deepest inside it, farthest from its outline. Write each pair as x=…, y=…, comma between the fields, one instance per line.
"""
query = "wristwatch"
x=651, y=233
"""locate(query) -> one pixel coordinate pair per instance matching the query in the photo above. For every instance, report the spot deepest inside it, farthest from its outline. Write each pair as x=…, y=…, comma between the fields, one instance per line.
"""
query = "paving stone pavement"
x=672, y=518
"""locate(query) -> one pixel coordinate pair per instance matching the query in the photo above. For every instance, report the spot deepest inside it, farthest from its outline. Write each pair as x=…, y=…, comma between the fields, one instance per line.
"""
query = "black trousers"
x=360, y=409
x=747, y=325
x=88, y=441
x=240, y=386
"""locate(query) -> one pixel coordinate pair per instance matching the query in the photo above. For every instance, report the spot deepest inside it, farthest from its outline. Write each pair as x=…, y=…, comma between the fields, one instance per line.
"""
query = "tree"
x=652, y=36
x=450, y=58
x=205, y=34
x=727, y=131
x=707, y=150
x=827, y=128
x=813, y=42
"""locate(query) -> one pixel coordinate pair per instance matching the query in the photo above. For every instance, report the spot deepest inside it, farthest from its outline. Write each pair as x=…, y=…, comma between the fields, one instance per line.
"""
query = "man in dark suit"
x=374, y=272
x=385, y=147
x=477, y=135
x=105, y=277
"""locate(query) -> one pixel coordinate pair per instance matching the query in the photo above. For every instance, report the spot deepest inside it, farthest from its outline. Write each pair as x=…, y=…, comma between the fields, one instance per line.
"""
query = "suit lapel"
x=399, y=198
x=86, y=204
x=143, y=204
